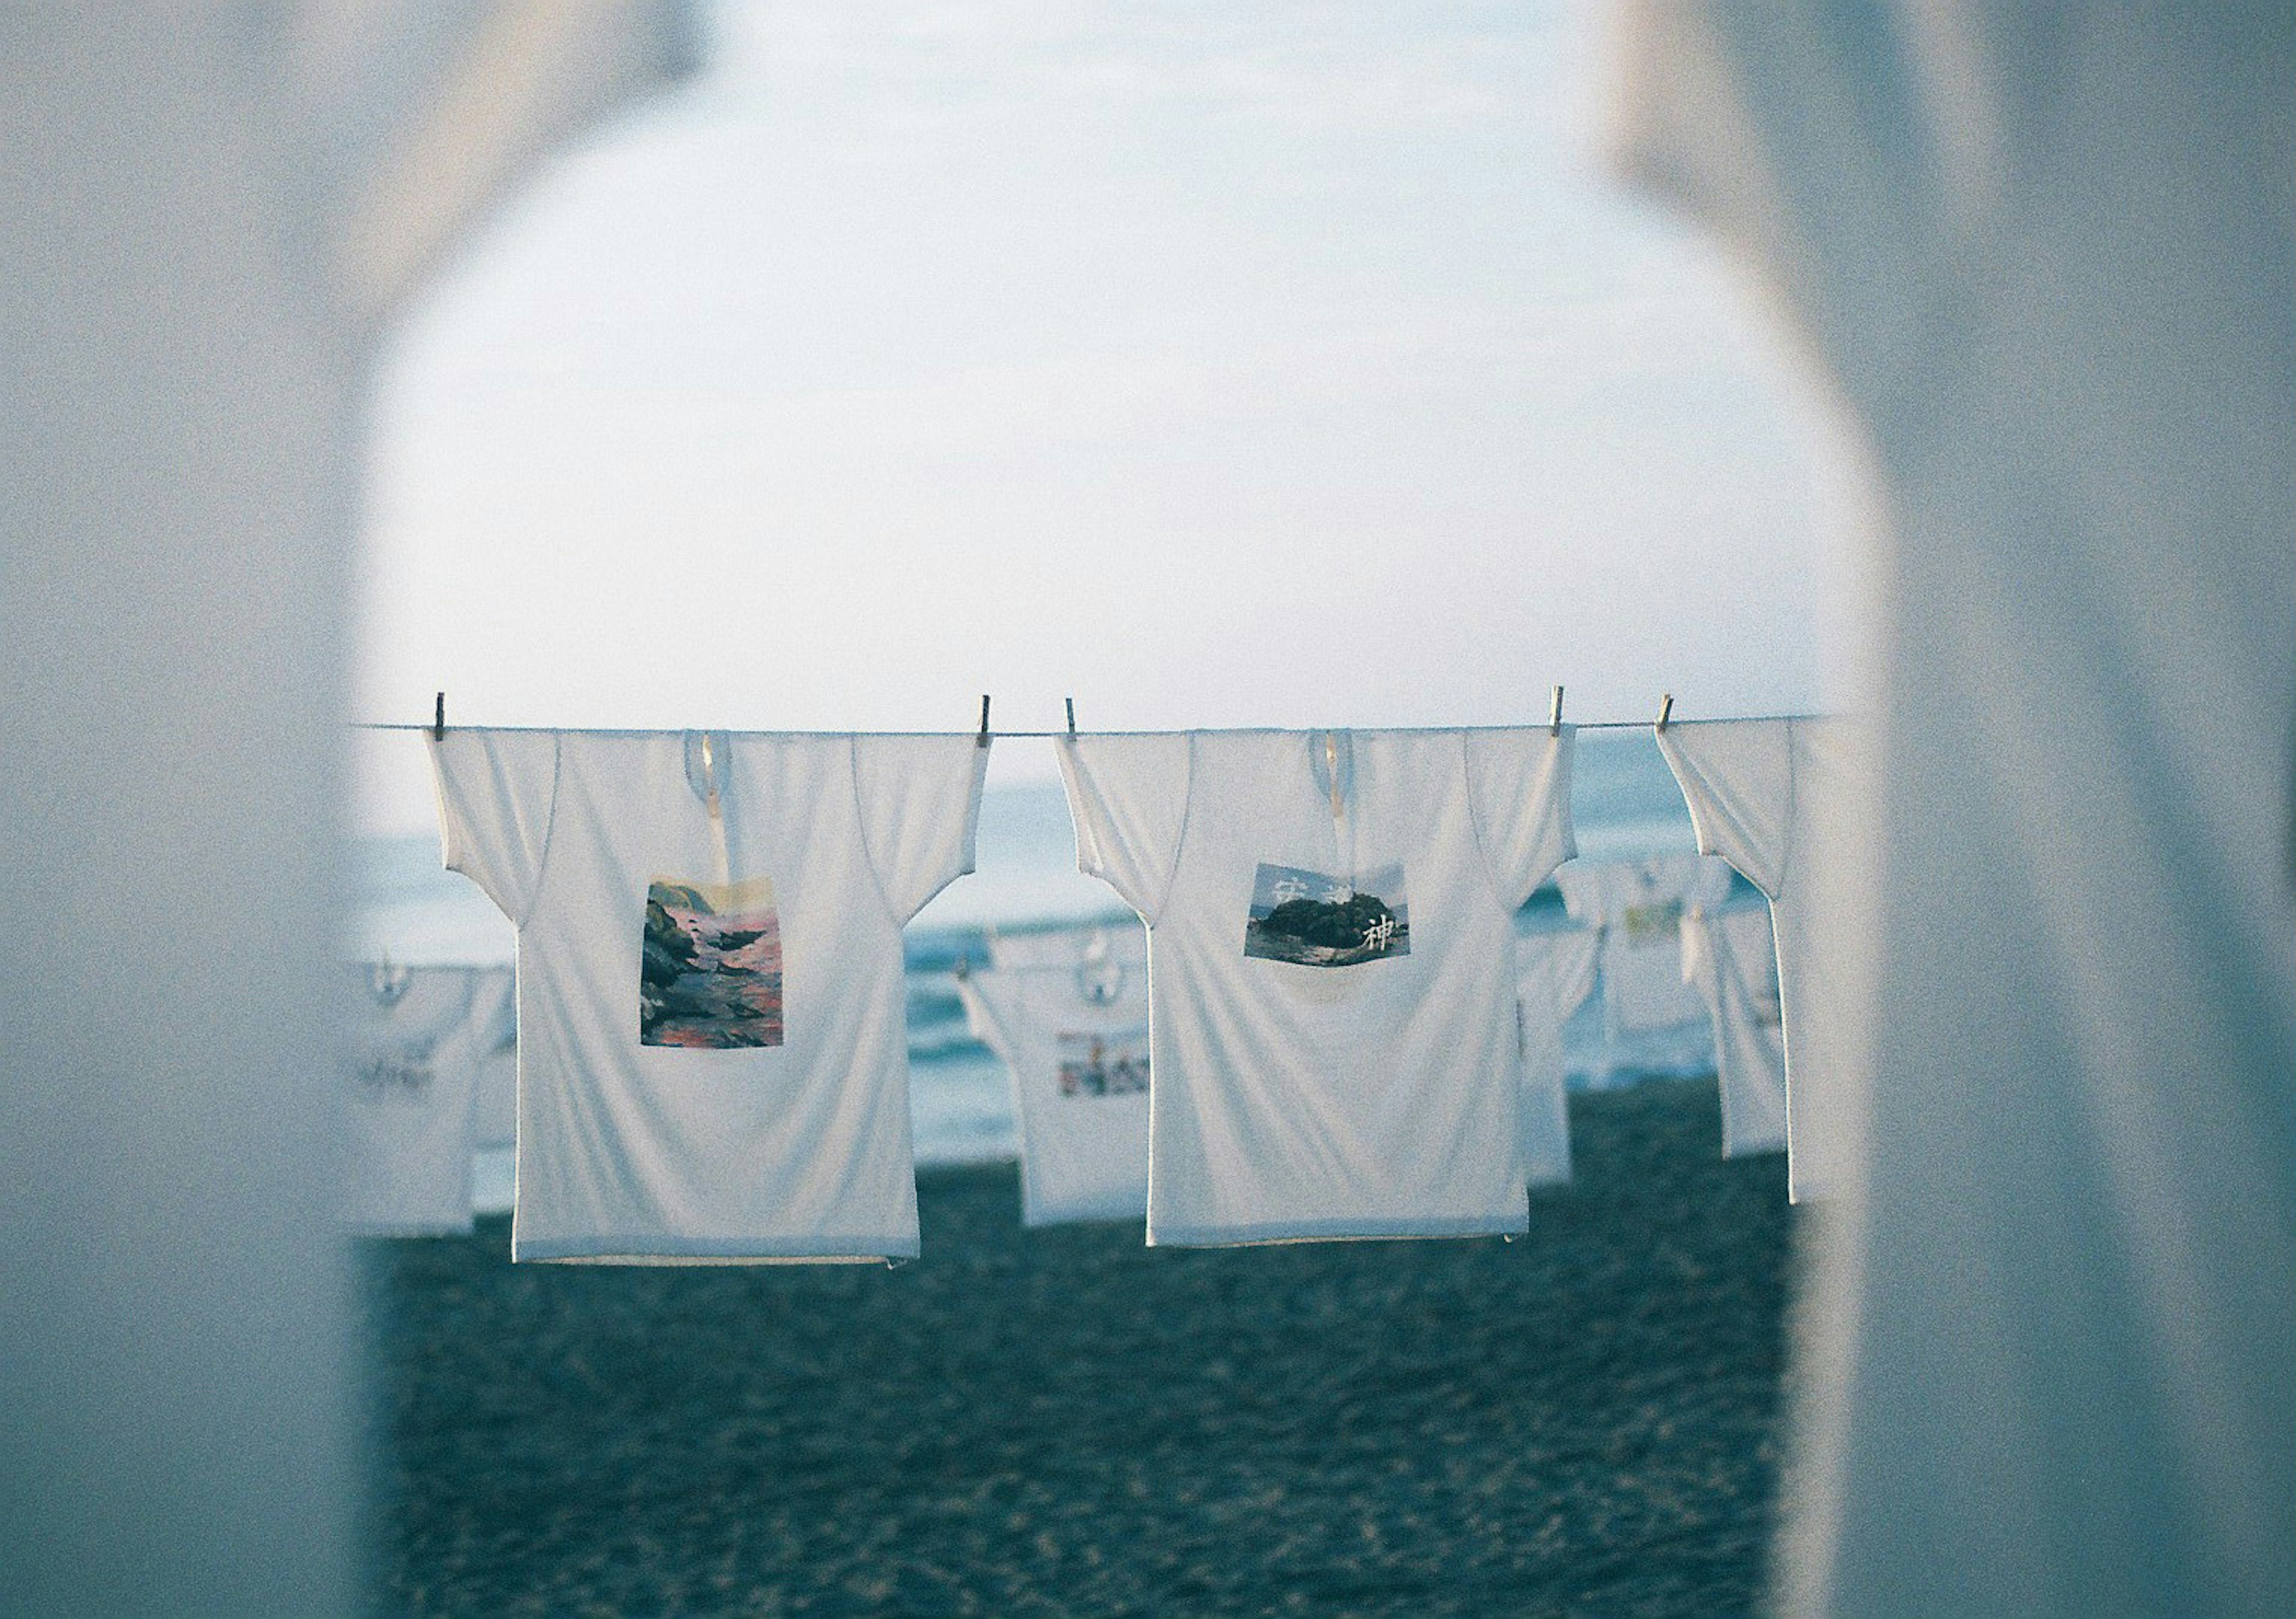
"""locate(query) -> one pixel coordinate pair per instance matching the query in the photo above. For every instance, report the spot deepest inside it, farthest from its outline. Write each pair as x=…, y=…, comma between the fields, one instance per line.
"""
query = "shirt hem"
x=710, y=1251
x=1512, y=1224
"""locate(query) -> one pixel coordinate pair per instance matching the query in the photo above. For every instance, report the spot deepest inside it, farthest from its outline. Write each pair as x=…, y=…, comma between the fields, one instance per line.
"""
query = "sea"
x=1623, y=805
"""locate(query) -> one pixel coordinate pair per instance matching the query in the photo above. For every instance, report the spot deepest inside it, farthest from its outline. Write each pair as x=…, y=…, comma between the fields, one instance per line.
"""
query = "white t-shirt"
x=713, y=1061
x=1638, y=904
x=1332, y=976
x=1557, y=974
x=415, y=1052
x=2050, y=1326
x=1757, y=791
x=1732, y=957
x=1076, y=1041
x=494, y=991
x=1070, y=946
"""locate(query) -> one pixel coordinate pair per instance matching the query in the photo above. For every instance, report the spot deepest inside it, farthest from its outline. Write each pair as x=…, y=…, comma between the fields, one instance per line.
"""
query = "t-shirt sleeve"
x=1128, y=798
x=1519, y=789
x=919, y=803
x=1586, y=893
x=497, y=795
x=1737, y=777
x=987, y=1014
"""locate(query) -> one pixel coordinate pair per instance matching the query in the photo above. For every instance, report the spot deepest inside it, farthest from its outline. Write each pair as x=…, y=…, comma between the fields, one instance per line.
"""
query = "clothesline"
x=1203, y=730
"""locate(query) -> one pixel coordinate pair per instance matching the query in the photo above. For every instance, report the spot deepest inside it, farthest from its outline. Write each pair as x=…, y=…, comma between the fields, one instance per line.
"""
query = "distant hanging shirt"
x=1122, y=942
x=1556, y=976
x=1075, y=1039
x=1638, y=904
x=1756, y=790
x=1333, y=998
x=416, y=1049
x=493, y=1007
x=713, y=1062
x=1731, y=956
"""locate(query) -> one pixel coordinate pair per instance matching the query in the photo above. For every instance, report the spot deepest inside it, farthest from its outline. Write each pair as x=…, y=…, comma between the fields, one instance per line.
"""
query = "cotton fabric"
x=1638, y=904
x=2043, y=255
x=494, y=991
x=713, y=1063
x=420, y=1038
x=1075, y=1040
x=1759, y=792
x=201, y=258
x=1731, y=957
x=1556, y=975
x=1332, y=969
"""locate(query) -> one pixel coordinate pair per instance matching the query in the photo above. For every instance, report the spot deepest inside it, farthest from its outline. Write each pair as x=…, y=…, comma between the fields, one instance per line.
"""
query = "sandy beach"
x=1065, y=1422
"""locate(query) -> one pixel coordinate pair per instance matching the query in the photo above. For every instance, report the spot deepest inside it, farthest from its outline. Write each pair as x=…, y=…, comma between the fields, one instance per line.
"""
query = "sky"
x=1289, y=364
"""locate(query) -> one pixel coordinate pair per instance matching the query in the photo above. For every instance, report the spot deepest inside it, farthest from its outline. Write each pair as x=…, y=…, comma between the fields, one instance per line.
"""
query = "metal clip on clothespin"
x=982, y=741
x=1554, y=714
x=1070, y=702
x=1665, y=710
x=439, y=720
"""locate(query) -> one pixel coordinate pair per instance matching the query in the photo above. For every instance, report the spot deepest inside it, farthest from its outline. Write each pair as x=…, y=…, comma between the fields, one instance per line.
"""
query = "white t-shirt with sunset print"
x=713, y=1055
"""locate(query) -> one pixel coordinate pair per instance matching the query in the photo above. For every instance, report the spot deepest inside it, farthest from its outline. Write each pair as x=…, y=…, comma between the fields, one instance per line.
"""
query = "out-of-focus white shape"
x=1768, y=796
x=1732, y=957
x=1124, y=943
x=419, y=1037
x=2044, y=255
x=186, y=313
x=1639, y=906
x=1075, y=1040
x=1556, y=974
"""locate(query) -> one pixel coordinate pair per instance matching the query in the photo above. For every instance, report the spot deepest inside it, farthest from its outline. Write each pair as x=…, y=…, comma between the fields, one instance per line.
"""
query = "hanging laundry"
x=417, y=1043
x=493, y=1007
x=1333, y=978
x=1124, y=942
x=1638, y=904
x=1731, y=956
x=1557, y=974
x=1075, y=1039
x=713, y=1063
x=1756, y=790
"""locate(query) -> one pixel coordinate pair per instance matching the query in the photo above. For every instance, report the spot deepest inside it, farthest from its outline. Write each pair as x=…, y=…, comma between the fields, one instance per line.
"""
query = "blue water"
x=1623, y=800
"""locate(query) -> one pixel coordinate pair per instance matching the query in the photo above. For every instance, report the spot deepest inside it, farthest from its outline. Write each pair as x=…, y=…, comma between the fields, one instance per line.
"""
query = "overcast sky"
x=1214, y=364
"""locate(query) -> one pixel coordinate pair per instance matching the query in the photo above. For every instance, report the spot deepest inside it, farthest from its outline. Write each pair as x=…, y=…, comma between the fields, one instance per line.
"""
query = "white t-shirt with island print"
x=713, y=1057
x=418, y=1037
x=1332, y=976
x=1075, y=1039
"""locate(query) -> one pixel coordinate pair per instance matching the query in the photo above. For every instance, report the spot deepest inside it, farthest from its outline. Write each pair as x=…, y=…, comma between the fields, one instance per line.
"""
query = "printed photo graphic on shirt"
x=1314, y=921
x=710, y=971
x=1104, y=1064
x=401, y=1074
x=1655, y=922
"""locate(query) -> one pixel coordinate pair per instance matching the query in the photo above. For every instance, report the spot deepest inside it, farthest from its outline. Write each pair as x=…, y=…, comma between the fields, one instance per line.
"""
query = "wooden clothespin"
x=1665, y=710
x=439, y=720
x=1554, y=714
x=982, y=740
x=1070, y=702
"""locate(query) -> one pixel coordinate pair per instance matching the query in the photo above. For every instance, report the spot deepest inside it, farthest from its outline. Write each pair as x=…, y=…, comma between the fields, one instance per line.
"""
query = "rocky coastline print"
x=709, y=974
x=1313, y=920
